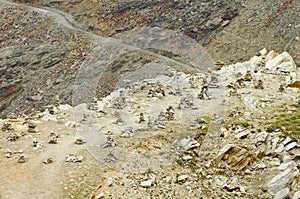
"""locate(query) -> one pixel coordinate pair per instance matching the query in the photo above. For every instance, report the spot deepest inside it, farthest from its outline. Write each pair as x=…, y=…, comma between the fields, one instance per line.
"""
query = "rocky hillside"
x=34, y=73
x=233, y=133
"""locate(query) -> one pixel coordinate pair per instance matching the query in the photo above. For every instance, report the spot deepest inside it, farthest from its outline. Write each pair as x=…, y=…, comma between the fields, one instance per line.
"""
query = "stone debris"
x=149, y=182
x=48, y=161
x=157, y=91
x=290, y=146
x=73, y=158
x=182, y=178
x=296, y=195
x=237, y=158
x=7, y=127
x=21, y=159
x=142, y=118
x=109, y=143
x=101, y=195
x=128, y=133
x=53, y=140
x=187, y=102
x=120, y=101
x=79, y=141
x=282, y=180
x=13, y=137
x=146, y=184
x=242, y=135
x=170, y=113
x=204, y=93
x=282, y=194
x=36, y=144
x=188, y=143
x=31, y=128
x=110, y=158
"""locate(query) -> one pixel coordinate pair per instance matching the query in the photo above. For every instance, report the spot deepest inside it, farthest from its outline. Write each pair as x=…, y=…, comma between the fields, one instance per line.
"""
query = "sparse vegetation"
x=289, y=123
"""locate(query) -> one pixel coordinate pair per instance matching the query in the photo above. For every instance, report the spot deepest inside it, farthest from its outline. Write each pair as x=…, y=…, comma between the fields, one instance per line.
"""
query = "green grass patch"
x=289, y=123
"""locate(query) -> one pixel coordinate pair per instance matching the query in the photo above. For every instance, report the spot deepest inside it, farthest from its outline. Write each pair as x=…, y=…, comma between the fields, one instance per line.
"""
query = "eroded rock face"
x=237, y=158
x=282, y=180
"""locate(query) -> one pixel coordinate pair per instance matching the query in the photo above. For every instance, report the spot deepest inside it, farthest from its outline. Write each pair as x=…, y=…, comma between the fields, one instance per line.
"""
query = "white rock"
x=288, y=164
x=147, y=183
x=281, y=180
x=283, y=62
x=109, y=181
x=187, y=157
x=182, y=178
x=275, y=142
x=282, y=194
x=250, y=101
x=247, y=115
x=286, y=141
x=188, y=143
x=279, y=149
x=222, y=152
x=100, y=195
x=242, y=134
x=290, y=146
x=296, y=195
x=263, y=52
x=261, y=137
x=221, y=181
x=64, y=107
x=260, y=165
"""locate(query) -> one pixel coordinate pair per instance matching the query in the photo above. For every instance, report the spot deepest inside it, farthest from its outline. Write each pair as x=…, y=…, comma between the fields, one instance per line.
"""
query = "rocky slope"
x=238, y=28
x=240, y=139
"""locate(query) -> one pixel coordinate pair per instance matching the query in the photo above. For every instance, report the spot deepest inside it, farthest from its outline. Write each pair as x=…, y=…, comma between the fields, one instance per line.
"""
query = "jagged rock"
x=263, y=52
x=290, y=146
x=261, y=137
x=271, y=145
x=283, y=63
x=282, y=194
x=281, y=180
x=221, y=181
x=286, y=141
x=222, y=152
x=187, y=157
x=188, y=143
x=242, y=135
x=235, y=157
x=279, y=149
